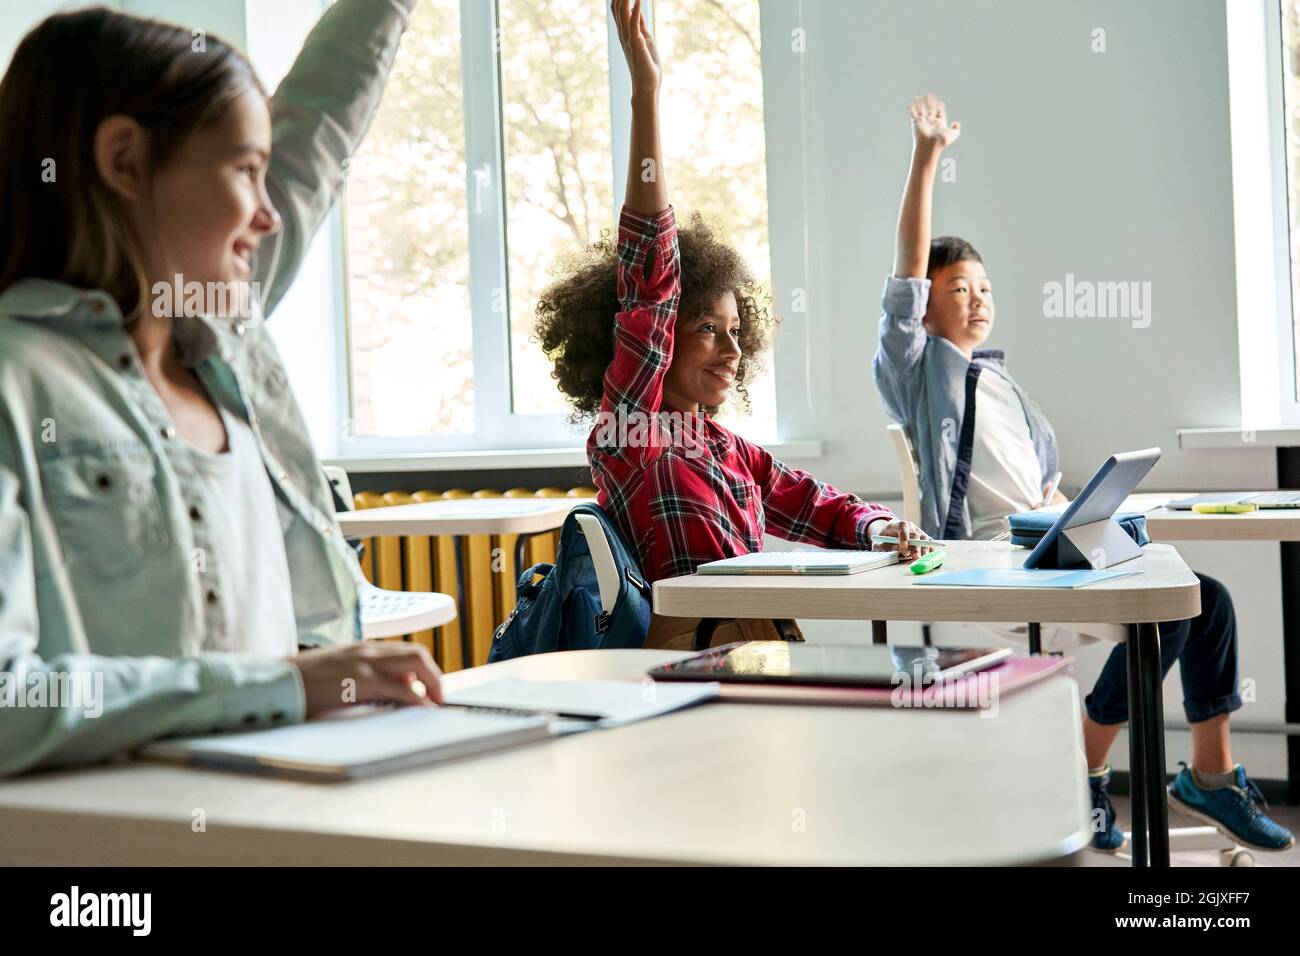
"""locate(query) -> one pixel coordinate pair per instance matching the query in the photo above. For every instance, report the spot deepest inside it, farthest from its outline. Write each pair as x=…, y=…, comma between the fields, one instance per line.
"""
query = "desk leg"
x=1136, y=759
x=462, y=609
x=520, y=542
x=704, y=632
x=1035, y=639
x=1153, y=745
x=879, y=632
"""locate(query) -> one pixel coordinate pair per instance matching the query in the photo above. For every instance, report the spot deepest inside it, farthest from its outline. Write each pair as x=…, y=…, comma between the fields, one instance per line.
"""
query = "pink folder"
x=973, y=691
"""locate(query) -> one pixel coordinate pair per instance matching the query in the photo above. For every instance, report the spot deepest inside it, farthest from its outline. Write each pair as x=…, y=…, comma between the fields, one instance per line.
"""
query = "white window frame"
x=1266, y=318
x=498, y=428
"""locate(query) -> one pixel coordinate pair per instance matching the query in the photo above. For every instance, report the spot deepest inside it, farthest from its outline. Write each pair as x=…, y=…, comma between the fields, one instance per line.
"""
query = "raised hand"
x=930, y=127
x=639, y=48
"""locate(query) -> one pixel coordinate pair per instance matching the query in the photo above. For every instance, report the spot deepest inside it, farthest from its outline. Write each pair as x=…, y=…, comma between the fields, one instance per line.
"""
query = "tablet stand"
x=1098, y=544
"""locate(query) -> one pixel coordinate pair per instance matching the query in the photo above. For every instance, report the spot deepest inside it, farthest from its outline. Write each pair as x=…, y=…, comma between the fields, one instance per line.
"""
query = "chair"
x=909, y=476
x=387, y=613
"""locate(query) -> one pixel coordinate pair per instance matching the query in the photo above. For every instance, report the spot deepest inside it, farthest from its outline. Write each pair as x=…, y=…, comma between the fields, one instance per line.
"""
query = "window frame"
x=498, y=425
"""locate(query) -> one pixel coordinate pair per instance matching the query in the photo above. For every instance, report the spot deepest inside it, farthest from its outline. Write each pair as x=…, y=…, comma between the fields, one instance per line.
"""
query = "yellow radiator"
x=422, y=563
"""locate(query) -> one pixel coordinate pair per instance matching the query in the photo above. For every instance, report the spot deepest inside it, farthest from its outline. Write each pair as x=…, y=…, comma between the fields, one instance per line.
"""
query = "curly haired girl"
x=649, y=336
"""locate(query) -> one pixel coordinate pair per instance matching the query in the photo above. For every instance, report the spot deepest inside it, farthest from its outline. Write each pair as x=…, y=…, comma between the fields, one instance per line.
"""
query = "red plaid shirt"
x=682, y=489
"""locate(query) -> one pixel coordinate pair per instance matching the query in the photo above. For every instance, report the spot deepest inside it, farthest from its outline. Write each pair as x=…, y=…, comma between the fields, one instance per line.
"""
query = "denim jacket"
x=103, y=548
x=929, y=386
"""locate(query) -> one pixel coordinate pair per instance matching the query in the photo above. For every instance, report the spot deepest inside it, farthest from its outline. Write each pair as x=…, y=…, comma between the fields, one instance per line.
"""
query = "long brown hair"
x=72, y=71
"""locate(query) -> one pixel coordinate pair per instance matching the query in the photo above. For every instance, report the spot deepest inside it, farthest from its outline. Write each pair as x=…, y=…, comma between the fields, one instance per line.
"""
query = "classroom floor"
x=1288, y=816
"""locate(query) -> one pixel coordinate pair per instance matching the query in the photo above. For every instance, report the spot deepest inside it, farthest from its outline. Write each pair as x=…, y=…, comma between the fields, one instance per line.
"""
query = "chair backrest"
x=338, y=478
x=602, y=559
x=909, y=474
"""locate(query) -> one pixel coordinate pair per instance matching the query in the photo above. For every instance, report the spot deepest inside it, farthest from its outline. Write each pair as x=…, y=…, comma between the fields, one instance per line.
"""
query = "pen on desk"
x=1051, y=488
x=891, y=539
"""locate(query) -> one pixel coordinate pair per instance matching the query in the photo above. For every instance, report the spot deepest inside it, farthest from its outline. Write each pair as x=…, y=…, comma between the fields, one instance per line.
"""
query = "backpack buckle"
x=602, y=622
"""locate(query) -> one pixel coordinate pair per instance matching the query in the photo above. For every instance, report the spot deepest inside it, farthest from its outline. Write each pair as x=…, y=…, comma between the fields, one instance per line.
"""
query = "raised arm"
x=647, y=193
x=907, y=290
x=931, y=135
x=649, y=268
x=319, y=115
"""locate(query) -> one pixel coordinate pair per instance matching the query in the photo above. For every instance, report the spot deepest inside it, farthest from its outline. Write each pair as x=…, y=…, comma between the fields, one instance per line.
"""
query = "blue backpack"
x=563, y=611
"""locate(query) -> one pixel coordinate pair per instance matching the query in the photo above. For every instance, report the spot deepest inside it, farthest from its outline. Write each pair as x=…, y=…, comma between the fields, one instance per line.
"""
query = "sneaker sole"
x=1207, y=819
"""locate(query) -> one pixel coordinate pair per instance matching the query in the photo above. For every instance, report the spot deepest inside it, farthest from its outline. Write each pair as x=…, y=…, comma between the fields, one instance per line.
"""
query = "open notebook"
x=356, y=743
x=801, y=562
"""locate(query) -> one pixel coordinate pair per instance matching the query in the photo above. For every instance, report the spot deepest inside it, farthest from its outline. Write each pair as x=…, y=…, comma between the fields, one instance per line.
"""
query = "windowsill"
x=1196, y=439
x=798, y=449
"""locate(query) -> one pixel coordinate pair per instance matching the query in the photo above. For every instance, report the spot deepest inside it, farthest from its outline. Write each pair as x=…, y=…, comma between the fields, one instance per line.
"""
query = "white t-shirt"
x=248, y=559
x=1005, y=476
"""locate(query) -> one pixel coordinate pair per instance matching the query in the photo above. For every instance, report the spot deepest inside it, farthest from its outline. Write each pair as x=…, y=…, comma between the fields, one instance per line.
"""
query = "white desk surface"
x=1166, y=590
x=1271, y=524
x=718, y=784
x=460, y=516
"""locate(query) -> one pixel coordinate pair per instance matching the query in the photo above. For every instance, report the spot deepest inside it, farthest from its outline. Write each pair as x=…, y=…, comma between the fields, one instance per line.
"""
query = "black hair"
x=946, y=250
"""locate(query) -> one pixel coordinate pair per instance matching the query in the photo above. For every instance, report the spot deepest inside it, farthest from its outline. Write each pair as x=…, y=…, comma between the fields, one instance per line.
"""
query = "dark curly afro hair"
x=575, y=313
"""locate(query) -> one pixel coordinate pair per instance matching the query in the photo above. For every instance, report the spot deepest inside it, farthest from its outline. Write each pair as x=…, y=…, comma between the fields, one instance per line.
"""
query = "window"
x=1291, y=124
x=496, y=149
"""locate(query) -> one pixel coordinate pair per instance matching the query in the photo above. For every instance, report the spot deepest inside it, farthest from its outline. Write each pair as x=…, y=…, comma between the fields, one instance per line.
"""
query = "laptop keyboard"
x=1275, y=499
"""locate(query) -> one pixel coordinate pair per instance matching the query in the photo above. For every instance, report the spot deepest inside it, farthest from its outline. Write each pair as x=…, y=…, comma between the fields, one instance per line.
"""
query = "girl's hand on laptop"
x=930, y=127
x=377, y=672
x=909, y=536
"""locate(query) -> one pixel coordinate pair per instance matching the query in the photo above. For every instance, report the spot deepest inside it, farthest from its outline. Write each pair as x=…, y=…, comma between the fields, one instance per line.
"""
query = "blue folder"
x=1021, y=578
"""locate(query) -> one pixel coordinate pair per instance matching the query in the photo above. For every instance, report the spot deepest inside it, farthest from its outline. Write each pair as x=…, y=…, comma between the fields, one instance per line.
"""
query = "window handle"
x=482, y=181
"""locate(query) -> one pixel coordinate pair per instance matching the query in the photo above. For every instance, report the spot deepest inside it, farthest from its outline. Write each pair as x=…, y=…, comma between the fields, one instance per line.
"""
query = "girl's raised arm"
x=647, y=192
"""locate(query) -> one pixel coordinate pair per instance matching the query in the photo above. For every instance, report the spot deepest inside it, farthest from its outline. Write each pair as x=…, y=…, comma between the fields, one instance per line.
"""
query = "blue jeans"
x=1206, y=650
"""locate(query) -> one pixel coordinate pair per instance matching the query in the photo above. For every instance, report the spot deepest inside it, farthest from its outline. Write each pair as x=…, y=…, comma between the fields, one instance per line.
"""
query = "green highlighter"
x=928, y=562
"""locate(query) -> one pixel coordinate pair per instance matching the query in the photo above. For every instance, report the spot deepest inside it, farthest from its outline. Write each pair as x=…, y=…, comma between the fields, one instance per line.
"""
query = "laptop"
x=801, y=562
x=1260, y=499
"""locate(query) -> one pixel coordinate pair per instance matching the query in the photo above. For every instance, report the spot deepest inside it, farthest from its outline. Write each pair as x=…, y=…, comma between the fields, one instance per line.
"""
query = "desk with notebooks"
x=717, y=783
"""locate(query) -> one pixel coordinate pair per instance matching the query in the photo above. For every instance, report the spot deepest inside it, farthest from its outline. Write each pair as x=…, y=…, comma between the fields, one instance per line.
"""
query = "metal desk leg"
x=520, y=542
x=1153, y=745
x=704, y=632
x=1035, y=639
x=787, y=629
x=462, y=609
x=1136, y=757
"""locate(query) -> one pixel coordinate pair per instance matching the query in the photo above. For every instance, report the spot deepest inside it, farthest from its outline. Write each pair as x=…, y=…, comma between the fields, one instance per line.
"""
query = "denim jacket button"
x=124, y=361
x=169, y=432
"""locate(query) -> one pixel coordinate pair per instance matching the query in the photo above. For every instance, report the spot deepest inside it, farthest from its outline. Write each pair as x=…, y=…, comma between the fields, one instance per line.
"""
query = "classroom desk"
x=456, y=518
x=742, y=784
x=1167, y=590
x=1272, y=524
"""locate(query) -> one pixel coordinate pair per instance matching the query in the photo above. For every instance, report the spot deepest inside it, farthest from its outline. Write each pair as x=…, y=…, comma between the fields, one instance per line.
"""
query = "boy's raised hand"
x=930, y=127
x=639, y=48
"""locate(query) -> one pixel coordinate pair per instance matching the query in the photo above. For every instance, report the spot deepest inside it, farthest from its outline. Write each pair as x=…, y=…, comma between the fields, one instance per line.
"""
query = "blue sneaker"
x=1237, y=810
x=1106, y=836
